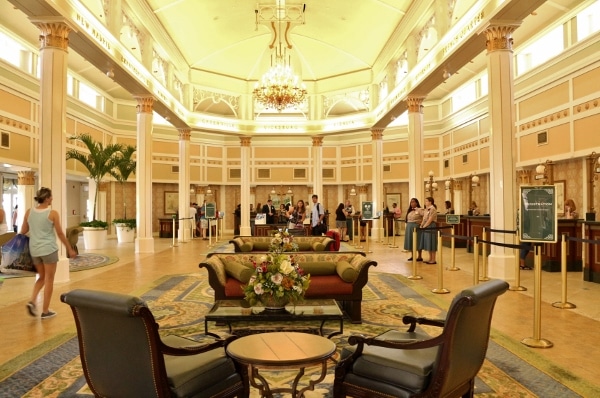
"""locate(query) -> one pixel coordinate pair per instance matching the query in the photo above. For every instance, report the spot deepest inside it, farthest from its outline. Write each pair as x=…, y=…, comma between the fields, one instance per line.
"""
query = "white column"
x=317, y=157
x=502, y=131
x=54, y=42
x=415, y=148
x=144, y=242
x=377, y=189
x=245, y=186
x=184, y=234
x=25, y=194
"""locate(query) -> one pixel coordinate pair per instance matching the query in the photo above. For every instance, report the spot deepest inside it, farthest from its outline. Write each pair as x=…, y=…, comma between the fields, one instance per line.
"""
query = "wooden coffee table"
x=281, y=350
x=309, y=311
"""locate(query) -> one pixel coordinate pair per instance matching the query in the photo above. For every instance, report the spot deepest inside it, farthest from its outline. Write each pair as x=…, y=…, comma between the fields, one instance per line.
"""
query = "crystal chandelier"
x=279, y=88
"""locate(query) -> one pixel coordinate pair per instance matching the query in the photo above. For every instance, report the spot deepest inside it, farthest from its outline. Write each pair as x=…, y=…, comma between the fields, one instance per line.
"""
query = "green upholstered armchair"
x=122, y=354
x=412, y=364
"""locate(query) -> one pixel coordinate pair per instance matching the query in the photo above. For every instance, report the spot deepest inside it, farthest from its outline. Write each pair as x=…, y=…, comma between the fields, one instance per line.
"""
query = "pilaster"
x=144, y=242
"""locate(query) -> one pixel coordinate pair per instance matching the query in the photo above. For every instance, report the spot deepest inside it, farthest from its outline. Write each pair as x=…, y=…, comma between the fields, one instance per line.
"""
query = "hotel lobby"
x=466, y=101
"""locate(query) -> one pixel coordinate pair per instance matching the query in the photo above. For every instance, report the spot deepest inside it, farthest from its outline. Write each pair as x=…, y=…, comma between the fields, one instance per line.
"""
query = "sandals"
x=525, y=267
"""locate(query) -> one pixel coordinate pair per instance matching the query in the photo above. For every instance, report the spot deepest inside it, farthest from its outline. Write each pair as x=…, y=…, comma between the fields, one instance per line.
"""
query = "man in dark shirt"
x=269, y=210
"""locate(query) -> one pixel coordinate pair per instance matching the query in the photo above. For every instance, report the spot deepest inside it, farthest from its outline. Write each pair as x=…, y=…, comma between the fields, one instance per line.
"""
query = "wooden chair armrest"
x=196, y=348
x=413, y=321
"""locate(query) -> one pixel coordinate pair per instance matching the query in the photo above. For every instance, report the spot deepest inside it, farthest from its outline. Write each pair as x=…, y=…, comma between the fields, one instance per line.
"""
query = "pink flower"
x=277, y=278
x=258, y=289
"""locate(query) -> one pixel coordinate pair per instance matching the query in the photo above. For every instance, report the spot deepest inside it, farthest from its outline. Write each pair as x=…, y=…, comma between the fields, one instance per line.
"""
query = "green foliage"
x=113, y=159
x=126, y=222
x=94, y=224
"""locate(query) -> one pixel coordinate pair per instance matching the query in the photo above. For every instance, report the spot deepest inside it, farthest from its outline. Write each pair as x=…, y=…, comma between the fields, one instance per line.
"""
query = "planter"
x=272, y=303
x=94, y=238
x=125, y=234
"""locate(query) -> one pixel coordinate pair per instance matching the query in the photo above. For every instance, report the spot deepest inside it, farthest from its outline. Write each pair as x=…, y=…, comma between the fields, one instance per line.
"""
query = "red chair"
x=336, y=237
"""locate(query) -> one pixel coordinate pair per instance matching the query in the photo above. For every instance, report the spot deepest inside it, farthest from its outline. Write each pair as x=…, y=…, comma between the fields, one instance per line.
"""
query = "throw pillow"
x=239, y=271
x=346, y=271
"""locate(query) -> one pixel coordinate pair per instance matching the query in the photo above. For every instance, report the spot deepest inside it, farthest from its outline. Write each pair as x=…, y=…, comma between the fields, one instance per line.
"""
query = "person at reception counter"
x=570, y=208
x=474, y=210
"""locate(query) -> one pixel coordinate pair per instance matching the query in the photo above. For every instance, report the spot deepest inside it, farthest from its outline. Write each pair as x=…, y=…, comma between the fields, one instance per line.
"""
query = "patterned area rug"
x=81, y=262
x=180, y=301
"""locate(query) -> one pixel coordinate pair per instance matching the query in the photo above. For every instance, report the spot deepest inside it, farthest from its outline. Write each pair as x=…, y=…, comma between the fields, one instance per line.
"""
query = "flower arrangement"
x=283, y=241
x=277, y=280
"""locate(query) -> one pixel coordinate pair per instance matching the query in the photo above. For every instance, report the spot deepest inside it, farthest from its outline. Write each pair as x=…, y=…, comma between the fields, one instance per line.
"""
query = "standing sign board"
x=537, y=207
x=367, y=210
x=211, y=210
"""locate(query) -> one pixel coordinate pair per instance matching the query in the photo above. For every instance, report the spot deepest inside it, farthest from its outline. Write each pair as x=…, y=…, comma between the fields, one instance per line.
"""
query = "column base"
x=501, y=266
x=144, y=245
x=62, y=271
x=245, y=231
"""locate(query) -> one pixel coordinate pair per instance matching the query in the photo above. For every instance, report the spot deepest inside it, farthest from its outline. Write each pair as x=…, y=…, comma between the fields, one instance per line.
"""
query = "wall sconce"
x=543, y=172
x=273, y=192
x=594, y=159
x=192, y=191
x=448, y=184
x=474, y=181
x=208, y=191
x=431, y=185
x=289, y=191
x=353, y=192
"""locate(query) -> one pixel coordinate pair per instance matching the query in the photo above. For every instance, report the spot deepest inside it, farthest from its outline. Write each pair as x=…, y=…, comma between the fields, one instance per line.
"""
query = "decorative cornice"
x=184, y=134
x=26, y=177
x=144, y=104
x=499, y=36
x=377, y=134
x=545, y=119
x=415, y=104
x=53, y=33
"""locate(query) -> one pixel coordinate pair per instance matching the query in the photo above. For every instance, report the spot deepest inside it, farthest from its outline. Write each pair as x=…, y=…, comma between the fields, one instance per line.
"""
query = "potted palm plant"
x=99, y=161
x=125, y=226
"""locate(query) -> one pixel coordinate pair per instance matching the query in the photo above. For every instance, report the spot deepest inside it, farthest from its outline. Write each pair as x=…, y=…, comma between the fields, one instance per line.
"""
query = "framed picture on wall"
x=391, y=198
x=171, y=202
x=560, y=197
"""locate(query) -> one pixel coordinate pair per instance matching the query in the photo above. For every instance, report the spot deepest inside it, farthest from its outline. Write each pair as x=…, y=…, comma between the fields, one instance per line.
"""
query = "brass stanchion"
x=367, y=239
x=453, y=252
x=440, y=289
x=536, y=341
x=393, y=245
x=174, y=244
x=359, y=245
x=414, y=257
x=484, y=266
x=475, y=260
x=209, y=233
x=192, y=228
x=563, y=304
x=517, y=287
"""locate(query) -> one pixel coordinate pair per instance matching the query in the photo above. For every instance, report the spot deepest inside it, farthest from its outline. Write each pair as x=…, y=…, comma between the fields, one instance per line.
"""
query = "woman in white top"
x=43, y=225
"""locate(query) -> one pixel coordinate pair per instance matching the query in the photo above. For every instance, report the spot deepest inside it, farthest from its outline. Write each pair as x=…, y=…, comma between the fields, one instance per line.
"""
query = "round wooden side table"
x=281, y=350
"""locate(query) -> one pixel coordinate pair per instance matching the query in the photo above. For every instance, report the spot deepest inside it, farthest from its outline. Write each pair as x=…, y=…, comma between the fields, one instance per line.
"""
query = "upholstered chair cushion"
x=346, y=271
x=239, y=271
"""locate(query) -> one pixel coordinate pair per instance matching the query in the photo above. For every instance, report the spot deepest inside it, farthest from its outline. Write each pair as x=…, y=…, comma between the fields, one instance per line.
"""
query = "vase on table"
x=273, y=303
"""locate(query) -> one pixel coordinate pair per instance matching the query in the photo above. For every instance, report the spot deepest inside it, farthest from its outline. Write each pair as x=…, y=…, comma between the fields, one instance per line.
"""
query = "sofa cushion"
x=304, y=246
x=328, y=286
x=410, y=369
x=239, y=271
x=261, y=246
x=318, y=246
x=346, y=271
x=234, y=289
x=246, y=246
x=315, y=268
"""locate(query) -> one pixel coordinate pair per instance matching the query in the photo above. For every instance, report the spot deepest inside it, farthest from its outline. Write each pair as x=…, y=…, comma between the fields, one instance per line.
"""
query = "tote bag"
x=15, y=254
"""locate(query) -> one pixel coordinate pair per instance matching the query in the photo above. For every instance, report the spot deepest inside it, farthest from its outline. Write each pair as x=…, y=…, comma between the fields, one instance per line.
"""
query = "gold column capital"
x=415, y=104
x=54, y=32
x=144, y=104
x=498, y=36
x=26, y=177
x=245, y=141
x=317, y=141
x=363, y=189
x=184, y=134
x=377, y=134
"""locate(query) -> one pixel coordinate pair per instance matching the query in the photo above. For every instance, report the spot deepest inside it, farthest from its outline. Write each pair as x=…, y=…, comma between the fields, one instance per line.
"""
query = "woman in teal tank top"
x=43, y=225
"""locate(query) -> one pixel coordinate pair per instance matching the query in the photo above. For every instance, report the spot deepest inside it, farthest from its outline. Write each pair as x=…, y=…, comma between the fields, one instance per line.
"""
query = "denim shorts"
x=51, y=258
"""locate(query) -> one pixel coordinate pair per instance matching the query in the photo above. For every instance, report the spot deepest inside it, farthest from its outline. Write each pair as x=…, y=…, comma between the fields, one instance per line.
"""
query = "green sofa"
x=245, y=244
x=333, y=275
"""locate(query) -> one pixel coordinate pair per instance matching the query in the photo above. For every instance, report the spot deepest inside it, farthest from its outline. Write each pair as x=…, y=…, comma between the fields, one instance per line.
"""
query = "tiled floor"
x=574, y=332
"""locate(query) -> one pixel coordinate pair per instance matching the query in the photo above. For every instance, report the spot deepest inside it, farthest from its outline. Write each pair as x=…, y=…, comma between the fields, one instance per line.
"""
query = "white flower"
x=277, y=278
x=297, y=288
x=252, y=279
x=262, y=259
x=286, y=267
x=258, y=288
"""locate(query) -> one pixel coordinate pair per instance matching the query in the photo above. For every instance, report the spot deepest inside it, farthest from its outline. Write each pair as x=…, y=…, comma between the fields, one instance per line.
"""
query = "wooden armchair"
x=412, y=364
x=122, y=354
